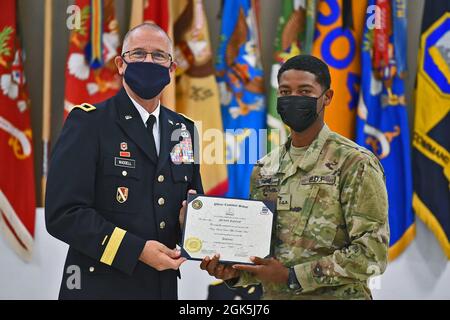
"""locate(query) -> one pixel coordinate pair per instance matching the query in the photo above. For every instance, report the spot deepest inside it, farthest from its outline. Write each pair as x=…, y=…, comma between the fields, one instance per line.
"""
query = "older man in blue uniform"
x=118, y=178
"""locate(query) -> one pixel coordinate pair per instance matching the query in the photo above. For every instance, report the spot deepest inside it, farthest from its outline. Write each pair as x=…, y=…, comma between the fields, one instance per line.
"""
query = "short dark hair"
x=305, y=62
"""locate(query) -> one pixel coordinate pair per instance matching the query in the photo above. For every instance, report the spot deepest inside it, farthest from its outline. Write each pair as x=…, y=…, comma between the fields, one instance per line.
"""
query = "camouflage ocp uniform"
x=332, y=223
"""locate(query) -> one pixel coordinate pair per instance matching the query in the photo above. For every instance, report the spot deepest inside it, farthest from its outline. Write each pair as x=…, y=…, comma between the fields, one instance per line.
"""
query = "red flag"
x=157, y=12
x=381, y=41
x=17, y=188
x=91, y=75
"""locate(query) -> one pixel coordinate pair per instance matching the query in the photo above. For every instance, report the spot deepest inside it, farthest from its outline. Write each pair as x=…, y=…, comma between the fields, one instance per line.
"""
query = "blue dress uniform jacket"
x=107, y=195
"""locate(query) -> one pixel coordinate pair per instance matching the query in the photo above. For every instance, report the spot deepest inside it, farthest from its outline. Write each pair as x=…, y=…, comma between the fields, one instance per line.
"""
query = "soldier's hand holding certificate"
x=235, y=228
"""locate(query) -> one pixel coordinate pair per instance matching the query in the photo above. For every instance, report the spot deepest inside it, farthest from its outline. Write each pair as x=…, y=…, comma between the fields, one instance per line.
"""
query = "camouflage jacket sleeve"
x=365, y=208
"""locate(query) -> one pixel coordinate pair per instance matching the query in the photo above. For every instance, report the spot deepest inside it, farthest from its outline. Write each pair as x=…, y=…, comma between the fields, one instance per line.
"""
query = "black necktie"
x=150, y=122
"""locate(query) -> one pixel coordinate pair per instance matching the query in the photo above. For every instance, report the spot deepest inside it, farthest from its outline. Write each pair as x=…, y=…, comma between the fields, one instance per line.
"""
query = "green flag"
x=294, y=36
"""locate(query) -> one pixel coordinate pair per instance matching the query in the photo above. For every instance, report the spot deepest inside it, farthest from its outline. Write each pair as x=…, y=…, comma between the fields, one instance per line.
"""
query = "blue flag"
x=431, y=138
x=241, y=85
x=382, y=126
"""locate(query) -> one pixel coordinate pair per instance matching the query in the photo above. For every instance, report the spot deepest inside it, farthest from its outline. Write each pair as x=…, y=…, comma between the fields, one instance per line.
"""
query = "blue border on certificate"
x=191, y=197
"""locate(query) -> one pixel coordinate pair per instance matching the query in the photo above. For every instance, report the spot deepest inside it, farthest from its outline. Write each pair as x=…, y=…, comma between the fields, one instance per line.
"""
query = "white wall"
x=422, y=272
x=38, y=279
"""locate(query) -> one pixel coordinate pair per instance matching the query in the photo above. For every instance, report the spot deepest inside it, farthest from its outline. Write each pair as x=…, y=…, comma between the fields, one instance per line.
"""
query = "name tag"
x=267, y=181
x=318, y=180
x=126, y=163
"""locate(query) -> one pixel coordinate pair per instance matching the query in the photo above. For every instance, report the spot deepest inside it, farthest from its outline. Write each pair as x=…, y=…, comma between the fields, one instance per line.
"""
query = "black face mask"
x=146, y=79
x=298, y=112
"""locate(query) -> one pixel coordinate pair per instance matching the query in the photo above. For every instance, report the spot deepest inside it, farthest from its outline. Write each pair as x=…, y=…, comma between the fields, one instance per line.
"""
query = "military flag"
x=431, y=137
x=158, y=12
x=294, y=36
x=153, y=11
x=338, y=41
x=91, y=75
x=197, y=91
x=240, y=78
x=382, y=122
x=17, y=184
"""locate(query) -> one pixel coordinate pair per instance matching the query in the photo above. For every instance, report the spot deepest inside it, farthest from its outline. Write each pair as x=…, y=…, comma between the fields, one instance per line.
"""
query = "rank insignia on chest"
x=122, y=194
x=124, y=146
x=284, y=201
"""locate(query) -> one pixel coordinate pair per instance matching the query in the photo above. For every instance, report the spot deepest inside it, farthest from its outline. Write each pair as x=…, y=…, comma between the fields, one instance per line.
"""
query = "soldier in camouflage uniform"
x=332, y=229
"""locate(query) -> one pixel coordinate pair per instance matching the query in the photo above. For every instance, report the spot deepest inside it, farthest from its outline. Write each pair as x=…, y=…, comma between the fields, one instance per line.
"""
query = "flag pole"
x=46, y=100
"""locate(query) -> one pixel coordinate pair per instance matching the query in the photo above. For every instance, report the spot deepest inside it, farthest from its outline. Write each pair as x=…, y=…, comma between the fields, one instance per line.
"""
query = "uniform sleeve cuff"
x=231, y=283
x=128, y=254
x=304, y=273
x=245, y=279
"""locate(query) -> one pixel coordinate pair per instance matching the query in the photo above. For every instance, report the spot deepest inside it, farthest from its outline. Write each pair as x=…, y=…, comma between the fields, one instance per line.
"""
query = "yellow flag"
x=197, y=92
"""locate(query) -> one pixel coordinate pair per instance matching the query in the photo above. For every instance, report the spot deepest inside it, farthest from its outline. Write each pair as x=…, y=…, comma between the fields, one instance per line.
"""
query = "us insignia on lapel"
x=122, y=194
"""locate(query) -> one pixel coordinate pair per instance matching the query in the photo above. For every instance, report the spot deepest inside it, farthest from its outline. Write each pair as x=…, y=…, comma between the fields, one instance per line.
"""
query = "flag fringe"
x=430, y=220
x=401, y=244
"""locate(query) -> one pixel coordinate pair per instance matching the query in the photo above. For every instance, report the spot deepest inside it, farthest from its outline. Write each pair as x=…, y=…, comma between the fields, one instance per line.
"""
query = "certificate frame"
x=271, y=205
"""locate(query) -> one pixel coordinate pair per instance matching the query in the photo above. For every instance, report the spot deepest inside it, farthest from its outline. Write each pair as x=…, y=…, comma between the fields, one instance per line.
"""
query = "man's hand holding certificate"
x=234, y=228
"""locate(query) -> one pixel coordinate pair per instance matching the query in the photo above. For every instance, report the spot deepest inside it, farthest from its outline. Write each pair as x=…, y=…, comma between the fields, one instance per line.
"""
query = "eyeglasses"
x=139, y=55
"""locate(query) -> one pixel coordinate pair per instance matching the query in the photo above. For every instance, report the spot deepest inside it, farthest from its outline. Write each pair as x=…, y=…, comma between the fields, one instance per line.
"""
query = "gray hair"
x=147, y=25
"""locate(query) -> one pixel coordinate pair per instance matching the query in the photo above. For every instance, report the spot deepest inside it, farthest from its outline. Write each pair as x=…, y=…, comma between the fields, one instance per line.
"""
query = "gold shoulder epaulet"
x=217, y=282
x=85, y=107
x=185, y=116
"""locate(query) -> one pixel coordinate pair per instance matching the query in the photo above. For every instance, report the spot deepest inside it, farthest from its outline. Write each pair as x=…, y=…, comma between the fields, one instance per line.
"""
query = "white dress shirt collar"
x=145, y=115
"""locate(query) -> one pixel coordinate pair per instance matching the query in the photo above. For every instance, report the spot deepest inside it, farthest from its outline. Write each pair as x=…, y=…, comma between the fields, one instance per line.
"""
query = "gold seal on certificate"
x=236, y=229
x=193, y=245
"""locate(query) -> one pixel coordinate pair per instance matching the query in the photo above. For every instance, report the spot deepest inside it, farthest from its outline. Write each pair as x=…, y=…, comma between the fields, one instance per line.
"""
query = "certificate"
x=236, y=229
